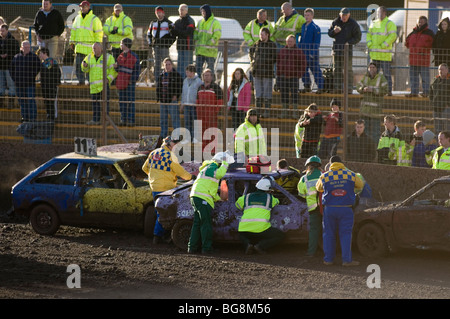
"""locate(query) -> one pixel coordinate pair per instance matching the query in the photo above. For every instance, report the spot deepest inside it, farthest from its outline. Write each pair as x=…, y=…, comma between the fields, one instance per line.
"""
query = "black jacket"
x=9, y=46
x=165, y=40
x=263, y=56
x=350, y=33
x=360, y=149
x=174, y=87
x=50, y=25
x=183, y=29
x=50, y=73
x=439, y=93
x=24, y=69
x=441, y=45
x=313, y=129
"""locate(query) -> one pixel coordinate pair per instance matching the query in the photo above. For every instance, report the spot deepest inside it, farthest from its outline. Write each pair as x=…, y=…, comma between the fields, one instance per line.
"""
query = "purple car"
x=177, y=214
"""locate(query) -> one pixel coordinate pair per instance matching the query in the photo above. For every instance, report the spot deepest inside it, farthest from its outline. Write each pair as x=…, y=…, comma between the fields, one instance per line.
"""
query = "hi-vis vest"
x=251, y=32
x=207, y=182
x=206, y=36
x=85, y=32
x=250, y=139
x=256, y=217
x=307, y=189
x=403, y=154
x=442, y=162
x=380, y=39
x=95, y=69
x=284, y=28
x=125, y=29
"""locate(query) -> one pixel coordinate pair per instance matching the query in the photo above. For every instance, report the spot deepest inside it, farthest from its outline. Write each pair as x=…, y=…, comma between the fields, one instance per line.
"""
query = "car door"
x=225, y=216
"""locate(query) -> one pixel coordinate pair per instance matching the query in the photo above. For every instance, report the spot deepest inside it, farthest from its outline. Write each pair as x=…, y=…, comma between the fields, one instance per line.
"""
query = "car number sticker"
x=85, y=146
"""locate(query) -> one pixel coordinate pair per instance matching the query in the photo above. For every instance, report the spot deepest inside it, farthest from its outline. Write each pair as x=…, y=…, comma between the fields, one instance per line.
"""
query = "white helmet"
x=264, y=184
x=223, y=156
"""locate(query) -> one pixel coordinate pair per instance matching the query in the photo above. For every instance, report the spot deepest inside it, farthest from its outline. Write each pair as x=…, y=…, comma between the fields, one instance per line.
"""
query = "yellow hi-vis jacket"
x=402, y=154
x=251, y=31
x=162, y=168
x=85, y=32
x=207, y=36
x=95, y=69
x=250, y=139
x=207, y=183
x=307, y=189
x=284, y=28
x=380, y=39
x=257, y=207
x=442, y=162
x=125, y=29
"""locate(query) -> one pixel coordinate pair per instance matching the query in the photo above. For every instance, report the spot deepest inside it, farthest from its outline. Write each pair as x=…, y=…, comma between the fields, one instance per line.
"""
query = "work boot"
x=350, y=264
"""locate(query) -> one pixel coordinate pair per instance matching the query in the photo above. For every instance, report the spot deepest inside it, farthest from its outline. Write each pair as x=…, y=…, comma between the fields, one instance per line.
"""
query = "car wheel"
x=44, y=220
x=149, y=221
x=371, y=241
x=181, y=232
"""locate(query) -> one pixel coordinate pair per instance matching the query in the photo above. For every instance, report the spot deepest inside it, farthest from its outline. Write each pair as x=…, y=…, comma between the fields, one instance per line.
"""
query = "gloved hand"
x=193, y=176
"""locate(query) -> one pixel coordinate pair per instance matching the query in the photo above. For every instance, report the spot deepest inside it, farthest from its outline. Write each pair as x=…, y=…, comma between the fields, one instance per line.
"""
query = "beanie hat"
x=427, y=136
x=335, y=101
x=127, y=42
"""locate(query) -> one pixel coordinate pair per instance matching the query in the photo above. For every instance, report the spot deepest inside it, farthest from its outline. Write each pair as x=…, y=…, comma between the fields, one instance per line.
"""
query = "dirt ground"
x=117, y=264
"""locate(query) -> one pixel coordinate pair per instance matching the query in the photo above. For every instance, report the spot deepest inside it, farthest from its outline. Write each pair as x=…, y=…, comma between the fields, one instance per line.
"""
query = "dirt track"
x=122, y=265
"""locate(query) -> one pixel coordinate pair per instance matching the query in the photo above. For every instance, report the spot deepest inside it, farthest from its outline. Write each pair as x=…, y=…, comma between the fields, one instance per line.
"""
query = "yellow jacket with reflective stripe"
x=442, y=162
x=207, y=183
x=380, y=39
x=85, y=32
x=207, y=36
x=307, y=189
x=251, y=31
x=124, y=29
x=284, y=28
x=257, y=207
x=95, y=69
x=402, y=154
x=250, y=139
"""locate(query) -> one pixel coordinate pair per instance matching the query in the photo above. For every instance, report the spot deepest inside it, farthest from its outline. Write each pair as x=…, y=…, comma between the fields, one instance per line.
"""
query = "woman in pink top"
x=239, y=97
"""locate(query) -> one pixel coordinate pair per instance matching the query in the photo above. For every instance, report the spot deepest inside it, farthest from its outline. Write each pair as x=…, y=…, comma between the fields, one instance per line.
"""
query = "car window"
x=95, y=175
x=438, y=194
x=58, y=174
x=133, y=170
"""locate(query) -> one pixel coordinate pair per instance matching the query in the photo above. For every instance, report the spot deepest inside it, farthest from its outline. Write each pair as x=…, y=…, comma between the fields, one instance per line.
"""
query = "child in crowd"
x=333, y=130
x=312, y=121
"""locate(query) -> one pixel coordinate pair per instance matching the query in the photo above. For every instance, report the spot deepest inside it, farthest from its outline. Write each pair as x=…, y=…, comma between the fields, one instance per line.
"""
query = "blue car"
x=107, y=190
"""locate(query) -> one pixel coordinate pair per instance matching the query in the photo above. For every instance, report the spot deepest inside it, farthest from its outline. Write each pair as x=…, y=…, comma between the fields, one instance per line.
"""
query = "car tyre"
x=149, y=221
x=44, y=220
x=181, y=232
x=371, y=241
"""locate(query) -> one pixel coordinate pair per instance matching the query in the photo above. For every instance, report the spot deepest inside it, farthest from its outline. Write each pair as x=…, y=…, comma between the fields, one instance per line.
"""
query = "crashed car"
x=176, y=212
x=106, y=190
x=421, y=221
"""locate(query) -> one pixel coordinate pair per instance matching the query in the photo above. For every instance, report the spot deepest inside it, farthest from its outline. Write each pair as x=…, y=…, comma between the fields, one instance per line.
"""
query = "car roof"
x=102, y=157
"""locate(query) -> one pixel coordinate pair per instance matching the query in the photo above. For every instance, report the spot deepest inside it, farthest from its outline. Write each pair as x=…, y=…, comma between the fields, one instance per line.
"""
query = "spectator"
x=441, y=43
x=24, y=68
x=128, y=70
x=93, y=64
x=263, y=56
x=439, y=97
x=239, y=97
x=9, y=47
x=360, y=146
x=252, y=29
x=203, y=196
x=49, y=25
x=307, y=190
x=338, y=187
x=183, y=29
x=163, y=169
x=209, y=102
x=206, y=37
x=380, y=40
x=255, y=230
x=419, y=42
x=429, y=140
x=298, y=138
x=333, y=130
x=86, y=30
x=402, y=152
x=159, y=40
x=343, y=30
x=249, y=138
x=291, y=65
x=389, y=141
x=168, y=91
x=418, y=145
x=189, y=99
x=312, y=121
x=373, y=86
x=50, y=79
x=310, y=43
x=118, y=27
x=289, y=23
x=441, y=157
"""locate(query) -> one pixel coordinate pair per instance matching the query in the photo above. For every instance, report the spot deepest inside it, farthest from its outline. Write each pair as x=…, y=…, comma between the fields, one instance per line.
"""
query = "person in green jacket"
x=203, y=195
x=118, y=27
x=289, y=23
x=255, y=230
x=307, y=189
x=441, y=155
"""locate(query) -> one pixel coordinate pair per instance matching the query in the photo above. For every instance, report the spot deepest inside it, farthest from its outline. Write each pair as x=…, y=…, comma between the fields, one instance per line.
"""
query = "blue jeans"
x=201, y=59
x=190, y=115
x=6, y=82
x=158, y=230
x=386, y=67
x=81, y=76
x=424, y=72
x=313, y=65
x=165, y=110
x=289, y=90
x=263, y=87
x=328, y=147
x=337, y=221
x=159, y=54
x=28, y=109
x=127, y=108
x=185, y=57
x=97, y=105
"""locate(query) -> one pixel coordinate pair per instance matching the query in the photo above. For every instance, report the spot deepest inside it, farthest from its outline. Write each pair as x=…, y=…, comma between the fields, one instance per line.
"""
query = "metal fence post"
x=225, y=84
x=105, y=92
x=346, y=66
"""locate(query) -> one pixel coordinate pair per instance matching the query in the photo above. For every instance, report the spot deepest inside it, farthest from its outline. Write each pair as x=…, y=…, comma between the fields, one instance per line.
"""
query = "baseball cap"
x=85, y=3
x=159, y=8
x=345, y=11
x=169, y=140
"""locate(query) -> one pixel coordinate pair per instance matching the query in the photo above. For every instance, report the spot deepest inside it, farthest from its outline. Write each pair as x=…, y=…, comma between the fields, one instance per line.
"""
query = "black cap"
x=127, y=42
x=345, y=11
x=335, y=159
x=335, y=101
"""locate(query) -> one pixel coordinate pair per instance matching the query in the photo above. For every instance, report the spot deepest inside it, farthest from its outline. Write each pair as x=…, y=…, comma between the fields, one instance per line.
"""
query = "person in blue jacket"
x=310, y=44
